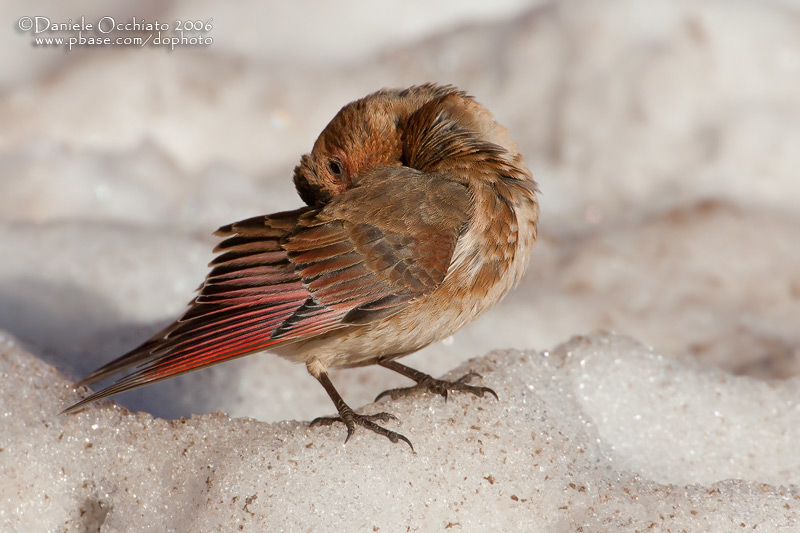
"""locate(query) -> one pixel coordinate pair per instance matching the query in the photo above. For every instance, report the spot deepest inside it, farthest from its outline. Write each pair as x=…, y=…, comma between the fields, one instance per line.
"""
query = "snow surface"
x=602, y=434
x=664, y=137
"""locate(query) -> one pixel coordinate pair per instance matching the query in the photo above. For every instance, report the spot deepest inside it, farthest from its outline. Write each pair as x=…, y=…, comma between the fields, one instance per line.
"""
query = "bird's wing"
x=294, y=275
x=388, y=241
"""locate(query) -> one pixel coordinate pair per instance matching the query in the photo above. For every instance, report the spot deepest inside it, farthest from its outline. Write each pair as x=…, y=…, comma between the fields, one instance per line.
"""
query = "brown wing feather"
x=294, y=275
x=393, y=236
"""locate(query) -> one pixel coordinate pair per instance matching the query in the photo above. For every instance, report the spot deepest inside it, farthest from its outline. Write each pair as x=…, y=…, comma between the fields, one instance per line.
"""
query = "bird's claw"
x=440, y=386
x=351, y=419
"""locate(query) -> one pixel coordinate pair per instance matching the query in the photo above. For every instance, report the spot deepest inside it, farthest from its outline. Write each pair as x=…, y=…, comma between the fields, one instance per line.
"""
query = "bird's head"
x=426, y=127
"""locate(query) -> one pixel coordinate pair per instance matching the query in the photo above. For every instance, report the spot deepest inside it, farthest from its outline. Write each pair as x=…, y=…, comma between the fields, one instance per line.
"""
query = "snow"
x=663, y=137
x=601, y=434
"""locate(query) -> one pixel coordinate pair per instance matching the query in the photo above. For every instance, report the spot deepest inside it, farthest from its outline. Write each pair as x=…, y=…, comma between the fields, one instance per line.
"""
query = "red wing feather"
x=294, y=275
x=251, y=290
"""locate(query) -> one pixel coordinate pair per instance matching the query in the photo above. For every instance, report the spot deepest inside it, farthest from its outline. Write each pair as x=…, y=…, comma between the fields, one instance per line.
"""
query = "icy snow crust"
x=602, y=434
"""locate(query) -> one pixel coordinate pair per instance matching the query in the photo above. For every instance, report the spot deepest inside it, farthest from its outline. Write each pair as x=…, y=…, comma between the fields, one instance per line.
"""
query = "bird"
x=420, y=214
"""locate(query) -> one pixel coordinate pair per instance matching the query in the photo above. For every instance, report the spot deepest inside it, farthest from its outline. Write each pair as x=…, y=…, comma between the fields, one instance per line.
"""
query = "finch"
x=420, y=215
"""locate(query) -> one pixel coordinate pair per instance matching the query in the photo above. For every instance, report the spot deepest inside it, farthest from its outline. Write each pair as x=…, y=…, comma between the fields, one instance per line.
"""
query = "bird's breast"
x=490, y=258
x=493, y=252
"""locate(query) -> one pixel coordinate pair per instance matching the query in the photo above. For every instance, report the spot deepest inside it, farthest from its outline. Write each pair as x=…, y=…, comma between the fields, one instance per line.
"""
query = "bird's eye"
x=335, y=166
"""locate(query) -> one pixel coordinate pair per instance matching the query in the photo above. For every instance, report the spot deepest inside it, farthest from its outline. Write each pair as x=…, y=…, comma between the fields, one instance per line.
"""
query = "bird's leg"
x=428, y=383
x=351, y=418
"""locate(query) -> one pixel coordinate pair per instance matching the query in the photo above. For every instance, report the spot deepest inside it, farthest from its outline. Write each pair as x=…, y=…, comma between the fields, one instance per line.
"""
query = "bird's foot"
x=426, y=383
x=351, y=419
